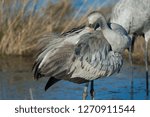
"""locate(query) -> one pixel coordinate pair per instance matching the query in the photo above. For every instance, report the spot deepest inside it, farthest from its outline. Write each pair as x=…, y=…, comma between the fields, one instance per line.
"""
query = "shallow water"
x=16, y=82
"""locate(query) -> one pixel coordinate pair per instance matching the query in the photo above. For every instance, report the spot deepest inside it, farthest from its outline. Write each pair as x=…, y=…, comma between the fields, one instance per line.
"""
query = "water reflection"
x=16, y=82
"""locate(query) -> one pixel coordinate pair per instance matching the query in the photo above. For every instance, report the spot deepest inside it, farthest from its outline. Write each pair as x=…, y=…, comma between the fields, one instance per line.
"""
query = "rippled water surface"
x=16, y=82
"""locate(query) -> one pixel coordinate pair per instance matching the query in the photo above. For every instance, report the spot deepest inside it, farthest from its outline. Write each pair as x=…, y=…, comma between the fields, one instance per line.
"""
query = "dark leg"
x=146, y=64
x=92, y=90
x=85, y=91
x=131, y=65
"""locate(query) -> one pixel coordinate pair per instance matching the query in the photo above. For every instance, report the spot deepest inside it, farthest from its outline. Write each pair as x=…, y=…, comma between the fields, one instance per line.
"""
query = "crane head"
x=96, y=20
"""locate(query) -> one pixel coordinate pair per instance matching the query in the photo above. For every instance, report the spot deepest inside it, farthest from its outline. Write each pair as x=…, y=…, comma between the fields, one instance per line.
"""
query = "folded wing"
x=89, y=59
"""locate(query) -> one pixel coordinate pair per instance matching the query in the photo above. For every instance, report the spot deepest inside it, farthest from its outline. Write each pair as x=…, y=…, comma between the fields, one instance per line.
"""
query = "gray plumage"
x=134, y=16
x=82, y=55
x=89, y=59
x=115, y=34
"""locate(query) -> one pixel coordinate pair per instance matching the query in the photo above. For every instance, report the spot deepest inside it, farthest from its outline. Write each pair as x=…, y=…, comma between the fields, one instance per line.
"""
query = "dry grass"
x=138, y=53
x=21, y=23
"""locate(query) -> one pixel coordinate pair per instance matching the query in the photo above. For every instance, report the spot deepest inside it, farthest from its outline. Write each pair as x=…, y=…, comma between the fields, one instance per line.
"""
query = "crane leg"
x=146, y=64
x=85, y=91
x=92, y=90
x=131, y=65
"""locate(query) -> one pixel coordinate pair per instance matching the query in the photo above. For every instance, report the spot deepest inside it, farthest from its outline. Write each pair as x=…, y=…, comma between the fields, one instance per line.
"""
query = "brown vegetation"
x=138, y=51
x=22, y=23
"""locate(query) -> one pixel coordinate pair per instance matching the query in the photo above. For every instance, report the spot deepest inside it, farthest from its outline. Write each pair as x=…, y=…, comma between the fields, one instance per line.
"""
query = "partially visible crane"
x=134, y=16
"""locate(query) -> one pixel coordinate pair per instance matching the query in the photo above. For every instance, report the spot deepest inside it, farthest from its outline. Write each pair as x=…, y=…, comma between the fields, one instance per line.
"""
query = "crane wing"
x=91, y=58
x=73, y=31
x=94, y=58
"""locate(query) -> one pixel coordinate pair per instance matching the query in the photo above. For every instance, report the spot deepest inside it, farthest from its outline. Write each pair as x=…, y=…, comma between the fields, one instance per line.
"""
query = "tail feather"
x=51, y=81
x=36, y=70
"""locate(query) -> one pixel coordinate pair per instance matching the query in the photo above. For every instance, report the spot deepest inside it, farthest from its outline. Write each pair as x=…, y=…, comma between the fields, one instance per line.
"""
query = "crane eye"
x=90, y=25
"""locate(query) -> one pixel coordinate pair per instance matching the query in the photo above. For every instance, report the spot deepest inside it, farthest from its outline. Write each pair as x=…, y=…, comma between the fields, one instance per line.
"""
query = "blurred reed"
x=22, y=23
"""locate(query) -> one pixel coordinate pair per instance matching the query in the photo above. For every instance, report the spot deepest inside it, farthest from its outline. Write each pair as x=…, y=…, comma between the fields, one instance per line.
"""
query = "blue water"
x=16, y=82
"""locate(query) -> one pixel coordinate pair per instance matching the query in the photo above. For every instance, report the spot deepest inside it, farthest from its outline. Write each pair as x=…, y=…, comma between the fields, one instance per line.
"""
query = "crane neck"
x=102, y=22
